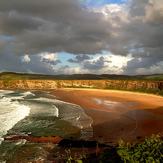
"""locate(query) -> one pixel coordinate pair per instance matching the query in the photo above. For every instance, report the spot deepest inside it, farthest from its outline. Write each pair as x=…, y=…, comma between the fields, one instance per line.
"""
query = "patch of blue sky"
x=104, y=52
x=64, y=57
x=8, y=38
x=98, y=3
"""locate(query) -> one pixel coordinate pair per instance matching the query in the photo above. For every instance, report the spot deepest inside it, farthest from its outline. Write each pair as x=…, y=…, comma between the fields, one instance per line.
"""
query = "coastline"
x=130, y=119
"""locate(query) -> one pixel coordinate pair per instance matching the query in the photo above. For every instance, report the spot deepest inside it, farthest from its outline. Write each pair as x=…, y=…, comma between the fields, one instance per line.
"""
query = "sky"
x=81, y=36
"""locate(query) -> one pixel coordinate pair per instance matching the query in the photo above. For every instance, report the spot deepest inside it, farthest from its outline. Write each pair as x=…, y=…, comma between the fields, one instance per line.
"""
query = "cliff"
x=155, y=87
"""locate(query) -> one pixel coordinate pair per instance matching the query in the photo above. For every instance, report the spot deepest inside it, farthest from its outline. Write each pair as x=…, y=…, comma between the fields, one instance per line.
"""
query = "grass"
x=21, y=76
x=140, y=85
x=154, y=77
x=16, y=77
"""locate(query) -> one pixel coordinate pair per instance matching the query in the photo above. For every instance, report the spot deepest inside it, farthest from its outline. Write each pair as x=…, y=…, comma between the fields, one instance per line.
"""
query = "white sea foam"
x=75, y=115
x=16, y=97
x=43, y=99
x=50, y=111
x=27, y=93
x=56, y=113
x=72, y=113
x=22, y=95
x=4, y=92
x=11, y=112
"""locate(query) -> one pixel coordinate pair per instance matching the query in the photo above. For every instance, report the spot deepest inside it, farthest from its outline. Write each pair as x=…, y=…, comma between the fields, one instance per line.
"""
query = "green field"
x=25, y=76
x=154, y=77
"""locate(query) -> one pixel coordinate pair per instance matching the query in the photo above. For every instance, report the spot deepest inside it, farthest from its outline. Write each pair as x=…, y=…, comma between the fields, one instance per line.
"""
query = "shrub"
x=150, y=151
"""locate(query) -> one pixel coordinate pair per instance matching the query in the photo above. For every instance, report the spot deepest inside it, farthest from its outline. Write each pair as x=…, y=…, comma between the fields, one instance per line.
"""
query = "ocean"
x=36, y=114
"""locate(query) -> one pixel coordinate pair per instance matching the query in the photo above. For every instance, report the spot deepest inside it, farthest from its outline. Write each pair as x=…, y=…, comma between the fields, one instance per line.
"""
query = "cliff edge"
x=155, y=87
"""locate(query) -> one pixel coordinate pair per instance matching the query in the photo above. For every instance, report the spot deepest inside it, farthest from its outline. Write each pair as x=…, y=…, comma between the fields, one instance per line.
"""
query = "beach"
x=117, y=114
x=40, y=125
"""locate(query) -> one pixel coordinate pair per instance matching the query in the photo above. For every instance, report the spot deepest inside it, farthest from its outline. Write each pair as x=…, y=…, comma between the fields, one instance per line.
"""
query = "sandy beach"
x=117, y=114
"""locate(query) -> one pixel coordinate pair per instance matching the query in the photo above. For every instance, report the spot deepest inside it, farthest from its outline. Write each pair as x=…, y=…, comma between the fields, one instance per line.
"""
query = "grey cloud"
x=53, y=26
x=13, y=24
x=36, y=65
x=154, y=13
x=95, y=65
x=10, y=63
x=134, y=64
x=13, y=63
x=56, y=26
x=67, y=26
x=151, y=11
x=138, y=7
x=65, y=67
x=3, y=46
x=79, y=58
x=51, y=62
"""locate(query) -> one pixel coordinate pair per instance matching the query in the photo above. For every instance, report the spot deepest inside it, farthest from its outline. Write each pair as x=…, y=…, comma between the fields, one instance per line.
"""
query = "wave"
x=54, y=111
x=4, y=92
x=27, y=93
x=21, y=96
x=11, y=113
x=75, y=115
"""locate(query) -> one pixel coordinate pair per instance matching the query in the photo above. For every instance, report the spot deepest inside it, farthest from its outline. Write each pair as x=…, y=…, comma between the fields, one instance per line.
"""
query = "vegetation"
x=114, y=82
x=25, y=76
x=154, y=77
x=150, y=151
x=76, y=159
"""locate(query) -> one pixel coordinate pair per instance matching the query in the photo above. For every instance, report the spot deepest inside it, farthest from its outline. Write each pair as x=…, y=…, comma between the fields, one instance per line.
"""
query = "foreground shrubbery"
x=150, y=151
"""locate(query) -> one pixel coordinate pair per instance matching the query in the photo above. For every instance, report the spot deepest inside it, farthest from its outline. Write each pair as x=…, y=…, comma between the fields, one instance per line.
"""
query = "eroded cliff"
x=142, y=86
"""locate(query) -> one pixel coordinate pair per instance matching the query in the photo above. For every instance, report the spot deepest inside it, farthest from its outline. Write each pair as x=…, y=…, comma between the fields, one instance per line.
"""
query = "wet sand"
x=117, y=114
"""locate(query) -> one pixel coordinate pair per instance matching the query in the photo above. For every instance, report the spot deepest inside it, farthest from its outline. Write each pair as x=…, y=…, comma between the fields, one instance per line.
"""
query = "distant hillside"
x=25, y=76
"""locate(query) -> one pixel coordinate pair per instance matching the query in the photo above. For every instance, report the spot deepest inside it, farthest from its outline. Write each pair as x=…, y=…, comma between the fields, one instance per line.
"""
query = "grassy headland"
x=146, y=84
x=26, y=76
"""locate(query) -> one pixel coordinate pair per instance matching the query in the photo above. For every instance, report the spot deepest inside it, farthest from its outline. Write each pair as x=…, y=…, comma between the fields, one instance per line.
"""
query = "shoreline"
x=129, y=123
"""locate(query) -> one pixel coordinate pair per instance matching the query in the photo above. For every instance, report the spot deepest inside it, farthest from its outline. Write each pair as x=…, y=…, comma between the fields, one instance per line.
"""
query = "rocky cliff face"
x=28, y=84
x=100, y=84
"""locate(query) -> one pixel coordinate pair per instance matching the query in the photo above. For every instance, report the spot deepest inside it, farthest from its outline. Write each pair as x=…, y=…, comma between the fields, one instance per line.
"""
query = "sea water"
x=37, y=113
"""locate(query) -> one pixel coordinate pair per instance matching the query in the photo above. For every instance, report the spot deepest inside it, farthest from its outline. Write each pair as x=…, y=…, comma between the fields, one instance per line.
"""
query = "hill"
x=26, y=76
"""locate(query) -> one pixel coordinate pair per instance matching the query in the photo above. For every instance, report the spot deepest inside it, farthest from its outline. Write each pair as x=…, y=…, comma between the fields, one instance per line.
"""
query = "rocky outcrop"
x=28, y=84
x=100, y=84
x=112, y=84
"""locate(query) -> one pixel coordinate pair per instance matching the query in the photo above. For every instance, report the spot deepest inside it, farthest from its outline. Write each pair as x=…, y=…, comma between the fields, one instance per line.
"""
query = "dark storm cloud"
x=79, y=58
x=3, y=46
x=67, y=26
x=14, y=24
x=52, y=26
x=55, y=26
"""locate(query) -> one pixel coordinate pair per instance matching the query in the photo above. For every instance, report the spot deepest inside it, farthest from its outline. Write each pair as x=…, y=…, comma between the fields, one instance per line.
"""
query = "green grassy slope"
x=21, y=76
x=154, y=77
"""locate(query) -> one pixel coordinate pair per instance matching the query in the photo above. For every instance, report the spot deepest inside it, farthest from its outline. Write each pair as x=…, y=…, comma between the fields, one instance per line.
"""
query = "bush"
x=150, y=151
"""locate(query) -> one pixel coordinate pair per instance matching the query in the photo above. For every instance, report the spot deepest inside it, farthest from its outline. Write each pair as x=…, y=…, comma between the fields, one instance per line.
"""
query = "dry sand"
x=118, y=114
